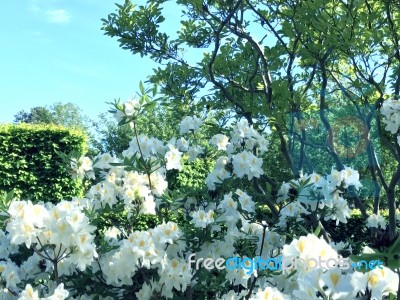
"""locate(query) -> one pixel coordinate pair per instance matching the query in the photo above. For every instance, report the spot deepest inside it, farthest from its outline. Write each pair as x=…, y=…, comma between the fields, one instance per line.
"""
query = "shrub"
x=29, y=163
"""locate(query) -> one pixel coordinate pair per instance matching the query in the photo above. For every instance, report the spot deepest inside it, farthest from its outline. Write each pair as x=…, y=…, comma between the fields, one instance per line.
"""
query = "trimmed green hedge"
x=30, y=166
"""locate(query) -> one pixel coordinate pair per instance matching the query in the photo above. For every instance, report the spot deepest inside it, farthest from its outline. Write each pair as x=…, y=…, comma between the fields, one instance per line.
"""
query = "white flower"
x=391, y=111
x=190, y=123
x=246, y=163
x=228, y=204
x=219, y=174
x=9, y=272
x=167, y=233
x=22, y=231
x=131, y=106
x=111, y=234
x=232, y=295
x=245, y=200
x=307, y=248
x=173, y=157
x=194, y=151
x=148, y=206
x=340, y=211
x=336, y=177
x=376, y=221
x=29, y=294
x=83, y=167
x=379, y=281
x=239, y=276
x=283, y=193
x=176, y=275
x=220, y=141
x=59, y=293
x=269, y=293
x=317, y=180
x=145, y=292
x=102, y=161
x=338, y=283
x=201, y=218
x=351, y=177
x=182, y=144
x=158, y=183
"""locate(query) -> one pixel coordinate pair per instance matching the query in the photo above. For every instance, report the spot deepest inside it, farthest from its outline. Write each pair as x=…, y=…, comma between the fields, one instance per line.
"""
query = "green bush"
x=29, y=163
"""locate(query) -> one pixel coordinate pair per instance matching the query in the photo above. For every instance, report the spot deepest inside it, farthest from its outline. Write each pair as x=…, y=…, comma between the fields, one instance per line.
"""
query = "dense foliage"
x=291, y=108
x=30, y=166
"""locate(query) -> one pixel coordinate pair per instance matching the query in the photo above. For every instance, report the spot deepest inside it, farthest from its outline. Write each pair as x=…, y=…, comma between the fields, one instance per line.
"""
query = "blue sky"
x=54, y=51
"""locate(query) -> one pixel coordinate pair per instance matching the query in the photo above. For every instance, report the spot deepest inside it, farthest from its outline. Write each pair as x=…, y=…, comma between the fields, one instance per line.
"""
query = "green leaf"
x=395, y=248
x=303, y=229
x=141, y=87
x=317, y=230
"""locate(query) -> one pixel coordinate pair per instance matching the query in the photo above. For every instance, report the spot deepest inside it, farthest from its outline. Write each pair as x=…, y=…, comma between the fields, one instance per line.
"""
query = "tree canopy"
x=68, y=115
x=276, y=62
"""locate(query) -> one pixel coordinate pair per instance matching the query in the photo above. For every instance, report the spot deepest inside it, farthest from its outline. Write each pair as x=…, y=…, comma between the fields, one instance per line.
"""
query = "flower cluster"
x=148, y=249
x=30, y=294
x=190, y=124
x=220, y=221
x=82, y=167
x=244, y=139
x=391, y=111
x=317, y=192
x=129, y=109
x=64, y=226
x=338, y=280
x=376, y=221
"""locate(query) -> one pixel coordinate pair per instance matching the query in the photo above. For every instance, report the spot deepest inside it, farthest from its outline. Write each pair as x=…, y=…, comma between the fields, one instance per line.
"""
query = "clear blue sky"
x=54, y=51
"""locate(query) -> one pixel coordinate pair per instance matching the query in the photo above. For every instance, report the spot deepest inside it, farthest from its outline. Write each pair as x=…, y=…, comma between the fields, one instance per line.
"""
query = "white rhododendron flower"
x=194, y=151
x=219, y=174
x=228, y=204
x=190, y=123
x=173, y=157
x=202, y=218
x=376, y=221
x=336, y=177
x=63, y=225
x=317, y=180
x=82, y=167
x=102, y=161
x=269, y=293
x=283, y=193
x=339, y=211
x=246, y=163
x=308, y=247
x=338, y=284
x=246, y=201
x=378, y=281
x=175, y=274
x=9, y=273
x=391, y=111
x=221, y=141
x=182, y=144
x=29, y=294
x=129, y=108
x=143, y=145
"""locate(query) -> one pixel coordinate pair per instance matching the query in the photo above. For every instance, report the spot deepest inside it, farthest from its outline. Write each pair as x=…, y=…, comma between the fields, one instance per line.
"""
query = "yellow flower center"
x=334, y=278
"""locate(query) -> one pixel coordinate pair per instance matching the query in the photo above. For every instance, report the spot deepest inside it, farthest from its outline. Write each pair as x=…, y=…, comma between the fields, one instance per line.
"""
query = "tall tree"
x=68, y=115
x=272, y=61
x=37, y=114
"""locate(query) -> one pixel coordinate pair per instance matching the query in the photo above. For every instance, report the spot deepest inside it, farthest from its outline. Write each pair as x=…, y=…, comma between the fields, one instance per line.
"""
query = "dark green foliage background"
x=30, y=166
